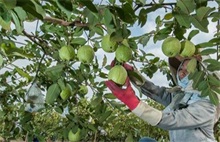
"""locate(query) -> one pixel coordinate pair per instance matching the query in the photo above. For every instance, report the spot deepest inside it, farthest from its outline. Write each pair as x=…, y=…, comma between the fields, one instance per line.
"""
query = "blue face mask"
x=183, y=82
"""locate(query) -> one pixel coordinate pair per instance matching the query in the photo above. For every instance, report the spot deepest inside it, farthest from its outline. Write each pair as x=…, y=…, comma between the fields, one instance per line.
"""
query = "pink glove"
x=127, y=96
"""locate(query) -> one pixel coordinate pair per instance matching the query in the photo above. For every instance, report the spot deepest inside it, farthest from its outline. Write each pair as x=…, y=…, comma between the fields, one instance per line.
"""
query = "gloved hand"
x=127, y=96
x=135, y=77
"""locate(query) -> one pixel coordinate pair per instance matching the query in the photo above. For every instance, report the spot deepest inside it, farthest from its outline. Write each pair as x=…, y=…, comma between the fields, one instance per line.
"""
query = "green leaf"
x=1, y=60
x=92, y=127
x=203, y=84
x=107, y=16
x=26, y=117
x=109, y=96
x=39, y=8
x=205, y=44
x=33, y=9
x=54, y=72
x=5, y=17
x=52, y=93
x=215, y=15
x=5, y=25
x=186, y=6
x=192, y=34
x=10, y=4
x=212, y=67
x=23, y=73
x=203, y=12
x=144, y=40
x=117, y=36
x=104, y=116
x=205, y=92
x=18, y=52
x=182, y=19
x=125, y=14
x=17, y=22
x=98, y=30
x=200, y=3
x=142, y=17
x=21, y=13
x=208, y=51
x=201, y=25
x=5, y=13
x=197, y=77
x=153, y=8
x=168, y=16
x=129, y=138
x=88, y=4
x=213, y=81
x=212, y=61
x=214, y=98
x=65, y=6
x=104, y=61
x=217, y=90
x=61, y=84
x=116, y=129
x=79, y=41
x=59, y=110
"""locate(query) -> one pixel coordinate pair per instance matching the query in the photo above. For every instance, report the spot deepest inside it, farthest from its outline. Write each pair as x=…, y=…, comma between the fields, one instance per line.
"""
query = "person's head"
x=182, y=71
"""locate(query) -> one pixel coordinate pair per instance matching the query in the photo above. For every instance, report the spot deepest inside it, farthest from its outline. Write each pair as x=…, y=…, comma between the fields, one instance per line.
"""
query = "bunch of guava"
x=172, y=47
x=123, y=54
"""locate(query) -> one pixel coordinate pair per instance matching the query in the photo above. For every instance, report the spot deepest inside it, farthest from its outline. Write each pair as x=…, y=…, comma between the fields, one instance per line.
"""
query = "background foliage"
x=84, y=22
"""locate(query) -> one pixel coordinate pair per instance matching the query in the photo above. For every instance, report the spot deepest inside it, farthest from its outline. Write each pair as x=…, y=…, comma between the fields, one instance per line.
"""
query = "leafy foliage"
x=78, y=23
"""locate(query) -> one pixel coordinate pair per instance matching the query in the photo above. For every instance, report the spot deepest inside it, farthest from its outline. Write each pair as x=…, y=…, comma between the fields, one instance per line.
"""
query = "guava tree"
x=66, y=59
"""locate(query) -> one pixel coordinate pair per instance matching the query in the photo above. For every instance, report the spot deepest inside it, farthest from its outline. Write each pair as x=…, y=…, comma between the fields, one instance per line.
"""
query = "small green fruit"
x=191, y=66
x=85, y=54
x=74, y=137
x=66, y=53
x=108, y=45
x=171, y=47
x=187, y=48
x=83, y=90
x=118, y=74
x=123, y=53
x=66, y=92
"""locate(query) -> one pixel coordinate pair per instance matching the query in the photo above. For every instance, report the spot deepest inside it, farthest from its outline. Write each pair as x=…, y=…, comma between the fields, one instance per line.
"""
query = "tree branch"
x=76, y=23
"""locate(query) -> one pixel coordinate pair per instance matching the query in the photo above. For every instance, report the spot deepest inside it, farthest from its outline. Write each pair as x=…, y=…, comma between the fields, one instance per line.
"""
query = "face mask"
x=183, y=82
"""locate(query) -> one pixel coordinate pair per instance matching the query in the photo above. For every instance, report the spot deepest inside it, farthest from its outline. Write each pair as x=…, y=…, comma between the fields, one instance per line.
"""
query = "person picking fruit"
x=187, y=116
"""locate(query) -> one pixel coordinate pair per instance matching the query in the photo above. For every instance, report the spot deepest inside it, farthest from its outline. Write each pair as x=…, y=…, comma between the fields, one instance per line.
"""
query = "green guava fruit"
x=85, y=54
x=187, y=48
x=66, y=53
x=191, y=66
x=74, y=137
x=66, y=92
x=108, y=45
x=123, y=53
x=171, y=47
x=83, y=90
x=118, y=74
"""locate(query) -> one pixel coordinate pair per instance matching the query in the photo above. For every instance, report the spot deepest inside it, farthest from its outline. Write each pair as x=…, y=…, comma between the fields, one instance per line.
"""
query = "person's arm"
x=127, y=96
x=196, y=115
x=161, y=95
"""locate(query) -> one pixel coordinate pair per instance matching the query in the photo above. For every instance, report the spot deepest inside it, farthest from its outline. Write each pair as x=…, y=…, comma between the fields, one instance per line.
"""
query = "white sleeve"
x=148, y=113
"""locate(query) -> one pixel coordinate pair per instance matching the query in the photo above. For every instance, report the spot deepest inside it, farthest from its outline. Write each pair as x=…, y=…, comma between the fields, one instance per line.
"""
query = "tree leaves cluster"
x=77, y=23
